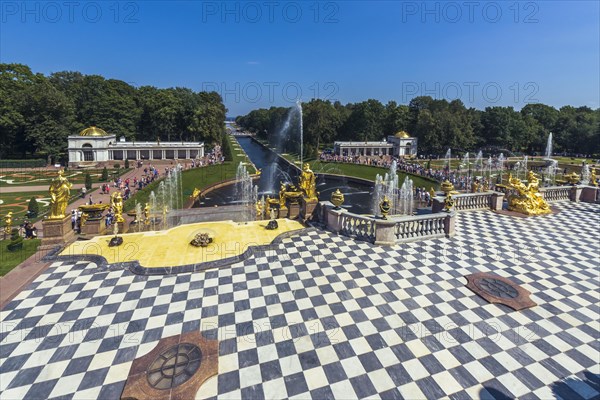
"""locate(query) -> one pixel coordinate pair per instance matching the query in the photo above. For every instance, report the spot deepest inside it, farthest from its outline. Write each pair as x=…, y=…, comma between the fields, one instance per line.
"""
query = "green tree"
x=88, y=181
x=16, y=241
x=33, y=207
x=104, y=176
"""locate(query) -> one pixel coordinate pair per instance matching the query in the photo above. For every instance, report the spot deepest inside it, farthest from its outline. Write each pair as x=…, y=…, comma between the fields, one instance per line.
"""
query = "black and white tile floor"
x=324, y=316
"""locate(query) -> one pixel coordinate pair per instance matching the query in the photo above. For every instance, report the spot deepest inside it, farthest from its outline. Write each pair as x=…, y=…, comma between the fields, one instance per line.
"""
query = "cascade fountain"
x=245, y=192
x=551, y=165
x=168, y=197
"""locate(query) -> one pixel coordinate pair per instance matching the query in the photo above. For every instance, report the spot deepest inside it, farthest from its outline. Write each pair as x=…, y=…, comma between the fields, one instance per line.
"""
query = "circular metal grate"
x=174, y=366
x=497, y=288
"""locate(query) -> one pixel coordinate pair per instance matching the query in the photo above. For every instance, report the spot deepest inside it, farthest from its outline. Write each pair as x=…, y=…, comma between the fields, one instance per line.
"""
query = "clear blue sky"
x=259, y=54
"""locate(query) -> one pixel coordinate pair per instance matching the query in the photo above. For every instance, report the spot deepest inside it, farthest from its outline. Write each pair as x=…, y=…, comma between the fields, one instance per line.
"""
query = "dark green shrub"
x=33, y=208
x=117, y=166
x=88, y=181
x=126, y=163
x=16, y=241
x=104, y=176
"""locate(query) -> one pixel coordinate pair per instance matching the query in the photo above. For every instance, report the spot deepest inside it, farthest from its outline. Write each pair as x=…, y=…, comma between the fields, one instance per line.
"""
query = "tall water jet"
x=138, y=215
x=299, y=107
x=478, y=163
x=548, y=154
x=501, y=161
x=465, y=163
x=153, y=209
x=585, y=174
x=447, y=165
x=245, y=192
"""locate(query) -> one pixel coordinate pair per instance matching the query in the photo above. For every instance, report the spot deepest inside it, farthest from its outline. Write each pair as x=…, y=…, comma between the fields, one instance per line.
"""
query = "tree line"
x=38, y=112
x=438, y=124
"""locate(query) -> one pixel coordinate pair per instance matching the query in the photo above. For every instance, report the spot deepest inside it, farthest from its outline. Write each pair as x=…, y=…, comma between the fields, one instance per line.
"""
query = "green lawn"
x=43, y=177
x=367, y=172
x=10, y=259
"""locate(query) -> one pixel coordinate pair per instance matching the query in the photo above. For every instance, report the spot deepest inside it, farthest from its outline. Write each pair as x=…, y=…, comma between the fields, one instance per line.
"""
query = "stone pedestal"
x=449, y=223
x=575, y=193
x=384, y=232
x=497, y=200
x=589, y=194
x=94, y=227
x=307, y=208
x=437, y=204
x=57, y=232
x=283, y=212
x=293, y=211
x=334, y=221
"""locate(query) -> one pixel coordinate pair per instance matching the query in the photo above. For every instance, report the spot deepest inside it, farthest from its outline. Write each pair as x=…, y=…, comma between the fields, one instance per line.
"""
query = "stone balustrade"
x=389, y=231
x=556, y=193
x=471, y=201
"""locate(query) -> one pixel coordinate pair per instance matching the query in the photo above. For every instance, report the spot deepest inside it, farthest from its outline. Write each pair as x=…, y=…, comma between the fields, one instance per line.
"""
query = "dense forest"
x=438, y=124
x=38, y=112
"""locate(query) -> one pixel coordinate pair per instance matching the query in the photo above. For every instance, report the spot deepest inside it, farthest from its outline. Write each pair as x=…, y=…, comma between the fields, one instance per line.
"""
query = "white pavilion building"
x=94, y=145
x=399, y=145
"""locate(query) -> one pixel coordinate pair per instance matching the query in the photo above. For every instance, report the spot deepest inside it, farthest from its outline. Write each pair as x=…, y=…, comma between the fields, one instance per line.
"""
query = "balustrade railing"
x=424, y=226
x=556, y=193
x=357, y=226
x=472, y=201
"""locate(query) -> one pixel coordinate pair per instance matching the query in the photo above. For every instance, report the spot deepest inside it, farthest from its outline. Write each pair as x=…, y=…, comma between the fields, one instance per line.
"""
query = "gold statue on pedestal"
x=593, y=178
x=8, y=222
x=60, y=191
x=116, y=202
x=526, y=198
x=307, y=182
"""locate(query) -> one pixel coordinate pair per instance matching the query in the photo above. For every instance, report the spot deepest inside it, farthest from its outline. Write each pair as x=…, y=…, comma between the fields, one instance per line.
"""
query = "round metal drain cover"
x=174, y=366
x=497, y=288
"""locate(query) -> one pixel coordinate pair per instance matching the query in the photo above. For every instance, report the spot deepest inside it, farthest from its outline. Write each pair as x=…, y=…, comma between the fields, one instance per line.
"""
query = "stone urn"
x=384, y=207
x=337, y=199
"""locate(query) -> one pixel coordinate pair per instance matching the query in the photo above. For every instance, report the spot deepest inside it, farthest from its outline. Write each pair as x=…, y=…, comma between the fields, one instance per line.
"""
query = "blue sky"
x=264, y=53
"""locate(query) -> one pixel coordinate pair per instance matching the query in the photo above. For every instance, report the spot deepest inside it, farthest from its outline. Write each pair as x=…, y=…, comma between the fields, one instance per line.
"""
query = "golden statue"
x=593, y=178
x=195, y=193
x=8, y=222
x=116, y=202
x=526, y=198
x=60, y=191
x=475, y=186
x=432, y=192
x=282, y=195
x=147, y=214
x=307, y=182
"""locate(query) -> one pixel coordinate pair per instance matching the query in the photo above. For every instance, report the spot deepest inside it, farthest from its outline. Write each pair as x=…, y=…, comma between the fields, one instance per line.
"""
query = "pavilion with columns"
x=94, y=145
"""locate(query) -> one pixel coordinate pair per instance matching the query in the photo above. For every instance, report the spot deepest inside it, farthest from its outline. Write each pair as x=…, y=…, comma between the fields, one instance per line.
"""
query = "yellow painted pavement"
x=172, y=247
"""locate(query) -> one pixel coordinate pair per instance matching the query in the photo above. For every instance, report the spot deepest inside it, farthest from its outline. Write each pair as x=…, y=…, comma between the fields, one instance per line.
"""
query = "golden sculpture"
x=60, y=191
x=8, y=222
x=448, y=202
x=116, y=202
x=147, y=214
x=526, y=198
x=259, y=209
x=384, y=207
x=432, y=192
x=337, y=199
x=195, y=193
x=573, y=178
x=307, y=182
x=282, y=195
x=593, y=178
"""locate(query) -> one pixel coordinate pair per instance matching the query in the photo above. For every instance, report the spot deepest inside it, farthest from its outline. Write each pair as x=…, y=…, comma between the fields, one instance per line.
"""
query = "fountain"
x=478, y=163
x=400, y=199
x=501, y=161
x=548, y=155
x=585, y=175
x=245, y=192
x=447, y=162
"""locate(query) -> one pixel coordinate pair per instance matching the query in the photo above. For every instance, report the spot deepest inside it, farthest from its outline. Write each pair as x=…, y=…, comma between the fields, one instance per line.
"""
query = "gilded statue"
x=308, y=182
x=116, y=202
x=195, y=193
x=8, y=222
x=526, y=198
x=593, y=178
x=282, y=190
x=147, y=214
x=60, y=191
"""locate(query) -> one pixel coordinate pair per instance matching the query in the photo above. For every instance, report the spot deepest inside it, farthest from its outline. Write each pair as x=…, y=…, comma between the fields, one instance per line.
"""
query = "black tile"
x=247, y=358
x=25, y=377
x=295, y=384
x=363, y=387
x=370, y=362
x=309, y=359
x=228, y=382
x=254, y=392
x=270, y=370
x=398, y=374
x=93, y=379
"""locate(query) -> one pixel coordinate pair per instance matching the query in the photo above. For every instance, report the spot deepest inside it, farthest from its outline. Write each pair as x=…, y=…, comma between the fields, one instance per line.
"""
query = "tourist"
x=73, y=219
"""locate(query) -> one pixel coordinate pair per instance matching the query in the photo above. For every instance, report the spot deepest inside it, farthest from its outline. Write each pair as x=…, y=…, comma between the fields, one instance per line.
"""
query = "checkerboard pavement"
x=324, y=316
